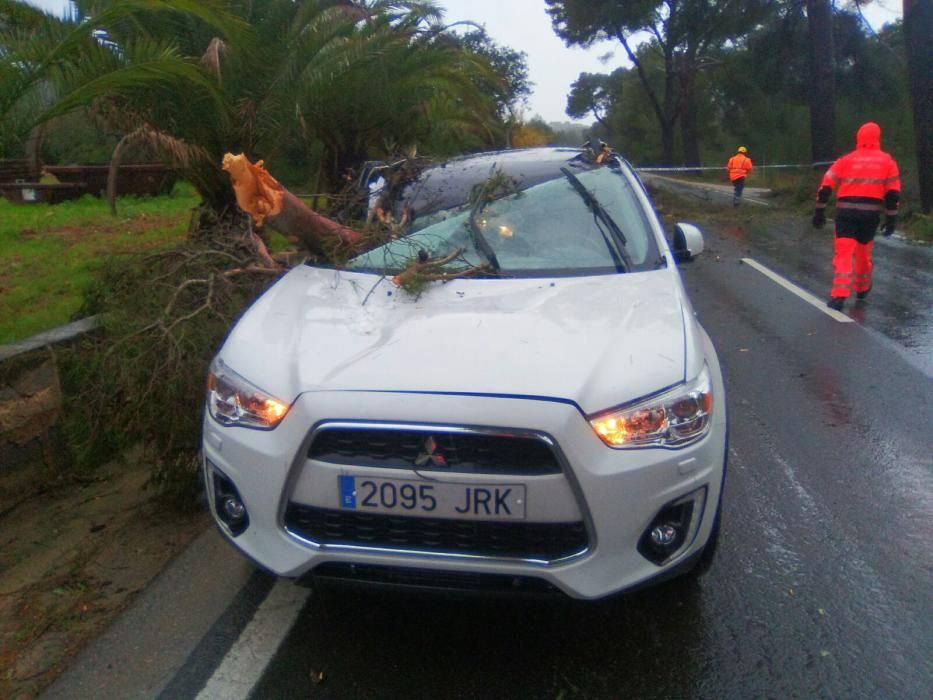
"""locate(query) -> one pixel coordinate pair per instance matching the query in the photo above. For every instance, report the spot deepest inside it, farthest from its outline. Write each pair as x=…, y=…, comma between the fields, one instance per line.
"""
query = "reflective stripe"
x=863, y=265
x=891, y=212
x=864, y=180
x=821, y=205
x=863, y=173
x=858, y=206
x=843, y=266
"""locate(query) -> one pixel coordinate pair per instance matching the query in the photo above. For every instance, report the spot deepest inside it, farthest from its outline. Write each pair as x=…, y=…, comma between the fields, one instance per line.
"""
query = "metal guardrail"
x=56, y=335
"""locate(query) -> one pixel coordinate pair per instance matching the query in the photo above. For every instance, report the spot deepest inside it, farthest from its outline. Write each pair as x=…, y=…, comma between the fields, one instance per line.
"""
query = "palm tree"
x=51, y=66
x=332, y=80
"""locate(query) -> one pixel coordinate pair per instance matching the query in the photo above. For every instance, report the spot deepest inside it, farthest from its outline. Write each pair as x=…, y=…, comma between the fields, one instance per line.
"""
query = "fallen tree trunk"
x=262, y=197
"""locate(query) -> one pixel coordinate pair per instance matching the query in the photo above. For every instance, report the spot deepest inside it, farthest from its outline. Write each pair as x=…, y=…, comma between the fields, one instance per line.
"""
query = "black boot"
x=836, y=303
x=862, y=295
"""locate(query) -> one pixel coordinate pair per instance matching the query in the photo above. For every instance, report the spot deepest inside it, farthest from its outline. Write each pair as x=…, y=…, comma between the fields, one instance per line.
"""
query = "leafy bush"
x=141, y=380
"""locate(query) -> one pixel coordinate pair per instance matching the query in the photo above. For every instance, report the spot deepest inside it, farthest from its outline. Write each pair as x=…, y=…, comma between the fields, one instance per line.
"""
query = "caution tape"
x=694, y=168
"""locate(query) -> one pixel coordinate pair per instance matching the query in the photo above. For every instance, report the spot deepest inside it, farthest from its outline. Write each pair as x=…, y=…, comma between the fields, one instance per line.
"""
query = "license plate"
x=433, y=499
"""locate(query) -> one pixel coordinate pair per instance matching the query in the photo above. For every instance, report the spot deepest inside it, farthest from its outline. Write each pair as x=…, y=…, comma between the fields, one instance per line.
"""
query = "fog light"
x=663, y=535
x=673, y=529
x=229, y=508
x=233, y=509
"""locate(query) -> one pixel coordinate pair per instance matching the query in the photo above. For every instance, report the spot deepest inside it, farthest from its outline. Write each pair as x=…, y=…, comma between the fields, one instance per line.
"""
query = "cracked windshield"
x=548, y=228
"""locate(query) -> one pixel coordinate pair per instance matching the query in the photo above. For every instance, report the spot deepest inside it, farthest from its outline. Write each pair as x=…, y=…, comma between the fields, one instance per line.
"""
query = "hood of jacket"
x=868, y=136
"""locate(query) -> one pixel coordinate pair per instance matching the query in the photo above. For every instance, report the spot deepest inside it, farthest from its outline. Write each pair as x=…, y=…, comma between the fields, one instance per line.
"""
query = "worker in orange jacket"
x=739, y=166
x=869, y=183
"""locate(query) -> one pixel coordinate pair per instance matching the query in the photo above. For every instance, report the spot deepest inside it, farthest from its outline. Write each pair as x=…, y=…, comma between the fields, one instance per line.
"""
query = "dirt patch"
x=71, y=235
x=72, y=558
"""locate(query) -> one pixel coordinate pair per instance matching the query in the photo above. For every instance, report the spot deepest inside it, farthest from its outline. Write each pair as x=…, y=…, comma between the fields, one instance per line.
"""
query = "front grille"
x=546, y=541
x=476, y=453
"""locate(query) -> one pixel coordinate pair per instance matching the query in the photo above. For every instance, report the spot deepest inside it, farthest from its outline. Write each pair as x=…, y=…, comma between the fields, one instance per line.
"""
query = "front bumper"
x=615, y=493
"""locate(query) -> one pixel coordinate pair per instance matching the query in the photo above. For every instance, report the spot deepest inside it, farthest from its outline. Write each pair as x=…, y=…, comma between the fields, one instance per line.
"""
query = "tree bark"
x=666, y=115
x=918, y=28
x=688, y=115
x=671, y=111
x=822, y=80
x=34, y=149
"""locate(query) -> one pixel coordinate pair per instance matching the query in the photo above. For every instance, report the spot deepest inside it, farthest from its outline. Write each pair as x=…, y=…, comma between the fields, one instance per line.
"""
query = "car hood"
x=596, y=341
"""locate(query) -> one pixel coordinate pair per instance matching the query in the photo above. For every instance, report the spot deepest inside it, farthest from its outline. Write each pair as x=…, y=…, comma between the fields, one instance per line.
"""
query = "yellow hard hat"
x=742, y=149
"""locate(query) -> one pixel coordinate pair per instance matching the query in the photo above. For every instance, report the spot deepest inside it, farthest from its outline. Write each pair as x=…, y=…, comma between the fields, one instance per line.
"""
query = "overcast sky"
x=525, y=26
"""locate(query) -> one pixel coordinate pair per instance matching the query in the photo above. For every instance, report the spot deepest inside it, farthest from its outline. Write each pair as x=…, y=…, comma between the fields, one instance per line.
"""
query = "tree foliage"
x=684, y=34
x=316, y=84
x=593, y=94
x=507, y=84
x=534, y=132
x=759, y=94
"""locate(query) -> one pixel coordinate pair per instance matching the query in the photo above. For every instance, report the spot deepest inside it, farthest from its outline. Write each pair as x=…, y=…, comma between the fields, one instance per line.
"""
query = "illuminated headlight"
x=231, y=400
x=673, y=419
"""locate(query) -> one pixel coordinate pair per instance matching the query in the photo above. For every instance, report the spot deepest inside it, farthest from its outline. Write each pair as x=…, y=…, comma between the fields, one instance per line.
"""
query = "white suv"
x=543, y=413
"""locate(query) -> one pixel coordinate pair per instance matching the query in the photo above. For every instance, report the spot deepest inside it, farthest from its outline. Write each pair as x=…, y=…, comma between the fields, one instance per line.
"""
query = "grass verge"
x=49, y=254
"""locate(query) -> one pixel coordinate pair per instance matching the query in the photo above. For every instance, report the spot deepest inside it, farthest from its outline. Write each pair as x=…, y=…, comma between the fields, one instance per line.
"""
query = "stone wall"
x=31, y=397
x=30, y=409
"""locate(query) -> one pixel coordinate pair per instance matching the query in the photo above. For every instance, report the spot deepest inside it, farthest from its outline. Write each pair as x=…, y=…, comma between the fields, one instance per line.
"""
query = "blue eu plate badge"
x=347, y=492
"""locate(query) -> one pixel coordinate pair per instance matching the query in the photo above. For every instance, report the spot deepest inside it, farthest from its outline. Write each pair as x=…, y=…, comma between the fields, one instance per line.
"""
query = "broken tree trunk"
x=262, y=197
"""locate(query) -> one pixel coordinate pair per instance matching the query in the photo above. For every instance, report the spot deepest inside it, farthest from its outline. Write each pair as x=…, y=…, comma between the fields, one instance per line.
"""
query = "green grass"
x=48, y=254
x=919, y=226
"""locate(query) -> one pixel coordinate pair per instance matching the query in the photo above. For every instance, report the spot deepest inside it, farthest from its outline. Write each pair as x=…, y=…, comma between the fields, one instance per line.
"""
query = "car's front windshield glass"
x=547, y=229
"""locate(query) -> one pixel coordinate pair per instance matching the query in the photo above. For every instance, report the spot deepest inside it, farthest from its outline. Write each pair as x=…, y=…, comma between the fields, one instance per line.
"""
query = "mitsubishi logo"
x=430, y=454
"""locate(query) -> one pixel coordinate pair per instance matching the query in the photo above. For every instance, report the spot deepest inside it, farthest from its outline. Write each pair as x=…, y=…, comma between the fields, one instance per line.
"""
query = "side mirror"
x=687, y=243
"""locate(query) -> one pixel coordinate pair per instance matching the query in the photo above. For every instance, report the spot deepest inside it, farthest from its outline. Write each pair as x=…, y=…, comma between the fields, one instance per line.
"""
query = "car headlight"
x=673, y=419
x=232, y=400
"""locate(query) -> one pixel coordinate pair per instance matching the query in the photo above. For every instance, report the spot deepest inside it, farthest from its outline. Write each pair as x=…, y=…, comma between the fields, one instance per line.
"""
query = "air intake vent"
x=543, y=541
x=462, y=452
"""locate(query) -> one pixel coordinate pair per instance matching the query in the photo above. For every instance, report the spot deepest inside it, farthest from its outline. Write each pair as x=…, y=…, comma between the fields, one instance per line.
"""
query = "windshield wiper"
x=620, y=256
x=479, y=240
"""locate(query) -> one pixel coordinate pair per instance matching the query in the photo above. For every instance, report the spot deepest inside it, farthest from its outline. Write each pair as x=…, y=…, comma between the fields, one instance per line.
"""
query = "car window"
x=549, y=228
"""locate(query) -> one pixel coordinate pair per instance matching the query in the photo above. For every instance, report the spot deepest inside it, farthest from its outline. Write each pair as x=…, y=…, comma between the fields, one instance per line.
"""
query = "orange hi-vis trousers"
x=852, y=263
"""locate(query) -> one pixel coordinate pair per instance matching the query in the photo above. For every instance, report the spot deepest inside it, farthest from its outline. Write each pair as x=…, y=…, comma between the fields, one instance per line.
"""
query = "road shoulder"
x=143, y=650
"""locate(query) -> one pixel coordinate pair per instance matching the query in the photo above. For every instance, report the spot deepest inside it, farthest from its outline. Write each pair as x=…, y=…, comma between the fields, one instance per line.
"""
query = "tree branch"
x=655, y=104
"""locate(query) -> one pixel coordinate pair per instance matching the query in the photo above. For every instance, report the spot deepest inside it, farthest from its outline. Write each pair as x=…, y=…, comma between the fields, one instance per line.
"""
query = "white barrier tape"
x=687, y=168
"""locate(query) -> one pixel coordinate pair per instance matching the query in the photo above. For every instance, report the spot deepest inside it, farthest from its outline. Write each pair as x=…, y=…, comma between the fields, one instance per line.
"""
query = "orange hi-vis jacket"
x=867, y=178
x=738, y=166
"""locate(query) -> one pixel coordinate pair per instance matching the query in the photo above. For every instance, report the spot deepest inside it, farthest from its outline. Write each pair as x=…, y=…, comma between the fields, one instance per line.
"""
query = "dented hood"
x=597, y=341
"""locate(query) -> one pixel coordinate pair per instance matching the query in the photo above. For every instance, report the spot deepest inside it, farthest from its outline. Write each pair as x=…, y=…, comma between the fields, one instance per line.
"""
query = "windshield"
x=549, y=229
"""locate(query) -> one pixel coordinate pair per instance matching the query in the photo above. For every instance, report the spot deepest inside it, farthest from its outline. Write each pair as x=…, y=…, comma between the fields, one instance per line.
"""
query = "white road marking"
x=750, y=200
x=249, y=656
x=803, y=294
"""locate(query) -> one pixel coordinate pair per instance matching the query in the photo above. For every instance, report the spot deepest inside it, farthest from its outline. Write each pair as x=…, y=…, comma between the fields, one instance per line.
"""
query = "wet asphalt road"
x=822, y=585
